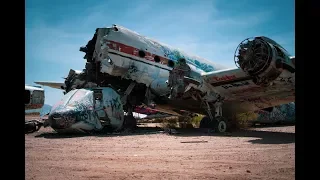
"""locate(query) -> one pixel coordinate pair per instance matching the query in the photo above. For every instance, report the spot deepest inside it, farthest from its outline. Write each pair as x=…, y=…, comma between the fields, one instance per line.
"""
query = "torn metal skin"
x=117, y=57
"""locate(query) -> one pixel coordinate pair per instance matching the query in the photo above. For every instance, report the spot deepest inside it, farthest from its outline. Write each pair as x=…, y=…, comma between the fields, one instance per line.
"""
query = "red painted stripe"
x=33, y=106
x=134, y=51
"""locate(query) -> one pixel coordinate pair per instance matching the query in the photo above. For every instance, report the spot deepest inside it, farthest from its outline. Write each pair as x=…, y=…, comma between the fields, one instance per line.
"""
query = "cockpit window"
x=64, y=99
x=82, y=96
x=74, y=97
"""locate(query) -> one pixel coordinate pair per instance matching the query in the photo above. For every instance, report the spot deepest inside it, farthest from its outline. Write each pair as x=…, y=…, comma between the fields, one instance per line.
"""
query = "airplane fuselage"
x=123, y=53
x=136, y=69
x=126, y=54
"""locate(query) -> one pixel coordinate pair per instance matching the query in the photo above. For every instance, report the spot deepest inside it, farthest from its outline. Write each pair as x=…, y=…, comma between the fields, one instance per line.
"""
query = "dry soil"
x=149, y=153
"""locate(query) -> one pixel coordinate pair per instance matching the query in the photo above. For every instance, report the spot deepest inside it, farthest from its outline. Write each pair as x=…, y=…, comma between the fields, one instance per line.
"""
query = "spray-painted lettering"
x=224, y=78
x=286, y=79
x=236, y=85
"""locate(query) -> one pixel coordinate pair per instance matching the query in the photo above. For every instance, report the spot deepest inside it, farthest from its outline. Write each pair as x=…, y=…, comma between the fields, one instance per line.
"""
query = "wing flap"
x=242, y=94
x=56, y=85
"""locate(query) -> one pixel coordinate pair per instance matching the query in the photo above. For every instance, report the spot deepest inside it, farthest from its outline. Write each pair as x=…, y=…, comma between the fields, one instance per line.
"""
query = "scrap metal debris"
x=194, y=141
x=32, y=126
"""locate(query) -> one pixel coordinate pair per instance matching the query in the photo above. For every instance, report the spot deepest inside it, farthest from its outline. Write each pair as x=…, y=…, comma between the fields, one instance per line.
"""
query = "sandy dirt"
x=150, y=153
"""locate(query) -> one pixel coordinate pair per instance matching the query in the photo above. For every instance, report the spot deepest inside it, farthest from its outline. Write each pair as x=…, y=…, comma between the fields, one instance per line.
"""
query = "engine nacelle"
x=261, y=58
x=160, y=86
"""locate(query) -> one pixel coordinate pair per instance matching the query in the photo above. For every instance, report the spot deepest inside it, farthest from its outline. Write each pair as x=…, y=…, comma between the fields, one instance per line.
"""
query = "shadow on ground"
x=273, y=125
x=264, y=137
x=138, y=131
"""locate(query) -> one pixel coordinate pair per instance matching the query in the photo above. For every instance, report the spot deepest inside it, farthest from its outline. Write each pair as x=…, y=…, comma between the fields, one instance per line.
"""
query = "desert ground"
x=151, y=153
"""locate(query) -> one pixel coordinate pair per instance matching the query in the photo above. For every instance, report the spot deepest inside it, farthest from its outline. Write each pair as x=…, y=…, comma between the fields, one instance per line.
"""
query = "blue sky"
x=212, y=29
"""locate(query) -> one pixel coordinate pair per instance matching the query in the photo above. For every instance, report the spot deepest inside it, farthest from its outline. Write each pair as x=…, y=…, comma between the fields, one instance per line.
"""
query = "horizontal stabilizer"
x=57, y=85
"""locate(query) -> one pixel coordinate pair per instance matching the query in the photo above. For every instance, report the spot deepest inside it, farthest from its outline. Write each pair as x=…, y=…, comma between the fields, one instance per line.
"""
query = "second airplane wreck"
x=125, y=70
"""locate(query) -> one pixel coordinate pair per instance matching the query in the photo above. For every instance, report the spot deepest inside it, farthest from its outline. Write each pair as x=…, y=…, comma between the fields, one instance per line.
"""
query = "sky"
x=212, y=29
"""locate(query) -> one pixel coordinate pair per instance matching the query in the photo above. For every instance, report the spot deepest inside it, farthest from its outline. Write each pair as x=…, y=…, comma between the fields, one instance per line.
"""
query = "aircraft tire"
x=221, y=126
x=207, y=123
x=130, y=122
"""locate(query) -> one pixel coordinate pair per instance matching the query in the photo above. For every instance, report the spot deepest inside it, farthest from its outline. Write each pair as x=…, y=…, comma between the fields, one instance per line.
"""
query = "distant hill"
x=41, y=111
x=45, y=109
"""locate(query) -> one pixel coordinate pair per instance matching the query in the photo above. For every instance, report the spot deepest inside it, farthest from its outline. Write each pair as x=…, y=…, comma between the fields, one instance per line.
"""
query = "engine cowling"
x=261, y=58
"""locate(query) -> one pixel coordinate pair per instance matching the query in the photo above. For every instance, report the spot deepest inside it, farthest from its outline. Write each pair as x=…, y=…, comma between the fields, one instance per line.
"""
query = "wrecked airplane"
x=125, y=69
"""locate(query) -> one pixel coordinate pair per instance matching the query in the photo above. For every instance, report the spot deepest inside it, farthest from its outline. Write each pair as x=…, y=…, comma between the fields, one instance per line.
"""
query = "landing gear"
x=206, y=122
x=216, y=122
x=129, y=121
x=222, y=125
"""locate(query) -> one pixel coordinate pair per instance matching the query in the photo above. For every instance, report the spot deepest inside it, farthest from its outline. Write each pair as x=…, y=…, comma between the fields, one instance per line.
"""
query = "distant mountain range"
x=42, y=111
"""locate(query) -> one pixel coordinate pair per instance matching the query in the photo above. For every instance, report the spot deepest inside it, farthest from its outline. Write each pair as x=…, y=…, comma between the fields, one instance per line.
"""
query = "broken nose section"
x=62, y=120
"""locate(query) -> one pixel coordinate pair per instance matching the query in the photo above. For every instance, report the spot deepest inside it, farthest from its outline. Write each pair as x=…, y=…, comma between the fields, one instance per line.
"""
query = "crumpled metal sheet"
x=75, y=107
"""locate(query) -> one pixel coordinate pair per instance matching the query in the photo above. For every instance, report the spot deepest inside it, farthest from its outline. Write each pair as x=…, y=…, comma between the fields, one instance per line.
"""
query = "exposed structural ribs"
x=263, y=59
x=127, y=92
x=92, y=67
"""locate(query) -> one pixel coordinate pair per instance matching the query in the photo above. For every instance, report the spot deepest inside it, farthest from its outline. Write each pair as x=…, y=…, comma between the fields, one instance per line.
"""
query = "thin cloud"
x=210, y=29
x=246, y=20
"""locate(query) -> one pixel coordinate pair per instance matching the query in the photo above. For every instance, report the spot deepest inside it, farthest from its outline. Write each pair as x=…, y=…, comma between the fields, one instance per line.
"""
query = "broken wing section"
x=265, y=77
x=56, y=85
x=242, y=94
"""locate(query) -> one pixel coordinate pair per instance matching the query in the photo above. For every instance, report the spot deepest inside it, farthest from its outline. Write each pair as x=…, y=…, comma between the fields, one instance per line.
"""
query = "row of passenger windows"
x=142, y=54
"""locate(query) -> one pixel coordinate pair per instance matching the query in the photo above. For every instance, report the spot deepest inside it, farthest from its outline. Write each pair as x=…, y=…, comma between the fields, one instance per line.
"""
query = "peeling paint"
x=282, y=113
x=131, y=42
x=77, y=109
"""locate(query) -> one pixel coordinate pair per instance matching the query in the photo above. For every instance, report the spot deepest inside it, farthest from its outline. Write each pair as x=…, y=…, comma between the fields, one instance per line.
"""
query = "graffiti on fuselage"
x=115, y=103
x=175, y=55
x=285, y=112
x=83, y=111
x=78, y=106
x=114, y=106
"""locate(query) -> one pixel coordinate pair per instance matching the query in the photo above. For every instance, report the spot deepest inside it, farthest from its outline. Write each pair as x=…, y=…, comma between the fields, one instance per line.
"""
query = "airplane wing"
x=60, y=85
x=160, y=109
x=56, y=85
x=265, y=78
x=242, y=93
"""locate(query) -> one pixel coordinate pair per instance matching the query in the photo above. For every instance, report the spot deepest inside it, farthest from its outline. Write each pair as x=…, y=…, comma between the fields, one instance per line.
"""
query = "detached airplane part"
x=56, y=85
x=33, y=99
x=87, y=109
x=144, y=73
